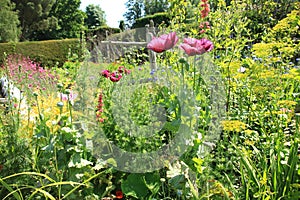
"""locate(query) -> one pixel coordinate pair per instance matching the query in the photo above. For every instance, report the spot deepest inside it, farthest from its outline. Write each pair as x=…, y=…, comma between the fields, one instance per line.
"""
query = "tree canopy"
x=95, y=16
x=9, y=22
x=140, y=8
x=49, y=19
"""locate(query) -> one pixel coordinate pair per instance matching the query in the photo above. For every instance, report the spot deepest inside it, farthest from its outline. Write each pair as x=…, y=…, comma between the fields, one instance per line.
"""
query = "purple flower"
x=163, y=43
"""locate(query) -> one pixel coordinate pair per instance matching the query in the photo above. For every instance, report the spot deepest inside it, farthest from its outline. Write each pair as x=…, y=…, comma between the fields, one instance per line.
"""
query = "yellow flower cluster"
x=233, y=126
x=45, y=106
x=286, y=104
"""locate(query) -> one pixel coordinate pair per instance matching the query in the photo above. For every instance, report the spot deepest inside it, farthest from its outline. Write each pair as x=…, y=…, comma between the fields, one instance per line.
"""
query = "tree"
x=135, y=10
x=140, y=8
x=9, y=22
x=95, y=16
x=122, y=25
x=34, y=17
x=155, y=6
x=70, y=19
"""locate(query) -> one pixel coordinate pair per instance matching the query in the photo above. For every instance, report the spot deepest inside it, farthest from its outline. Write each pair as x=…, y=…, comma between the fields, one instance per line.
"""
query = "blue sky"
x=114, y=9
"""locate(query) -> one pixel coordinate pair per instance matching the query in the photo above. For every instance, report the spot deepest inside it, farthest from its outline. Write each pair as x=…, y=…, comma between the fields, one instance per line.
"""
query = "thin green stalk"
x=84, y=182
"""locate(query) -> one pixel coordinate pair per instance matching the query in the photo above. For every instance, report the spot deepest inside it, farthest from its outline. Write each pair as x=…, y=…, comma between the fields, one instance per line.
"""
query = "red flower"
x=163, y=43
x=205, y=10
x=192, y=46
x=119, y=194
x=105, y=73
x=114, y=77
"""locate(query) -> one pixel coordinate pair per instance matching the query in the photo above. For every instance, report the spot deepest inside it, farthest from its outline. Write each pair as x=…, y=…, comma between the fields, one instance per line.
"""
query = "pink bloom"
x=105, y=73
x=115, y=77
x=193, y=46
x=68, y=97
x=163, y=43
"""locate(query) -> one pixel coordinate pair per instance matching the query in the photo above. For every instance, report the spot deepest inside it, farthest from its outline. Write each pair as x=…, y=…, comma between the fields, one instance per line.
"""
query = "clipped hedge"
x=47, y=53
x=158, y=19
x=100, y=32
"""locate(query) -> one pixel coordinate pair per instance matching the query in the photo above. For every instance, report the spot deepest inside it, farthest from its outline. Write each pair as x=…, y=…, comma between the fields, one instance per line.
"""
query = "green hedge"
x=47, y=53
x=158, y=19
x=100, y=32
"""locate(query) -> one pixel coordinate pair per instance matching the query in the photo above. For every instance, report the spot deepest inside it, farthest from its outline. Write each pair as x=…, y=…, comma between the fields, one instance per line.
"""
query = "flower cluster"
x=204, y=26
x=206, y=9
x=204, y=13
x=191, y=46
x=99, y=109
x=29, y=75
x=115, y=76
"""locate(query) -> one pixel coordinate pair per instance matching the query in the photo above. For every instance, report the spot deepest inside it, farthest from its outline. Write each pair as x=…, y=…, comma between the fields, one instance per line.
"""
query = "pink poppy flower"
x=163, y=43
x=193, y=46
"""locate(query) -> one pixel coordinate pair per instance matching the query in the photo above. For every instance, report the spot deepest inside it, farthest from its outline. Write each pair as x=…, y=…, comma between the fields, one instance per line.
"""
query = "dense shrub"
x=48, y=53
x=100, y=32
x=158, y=19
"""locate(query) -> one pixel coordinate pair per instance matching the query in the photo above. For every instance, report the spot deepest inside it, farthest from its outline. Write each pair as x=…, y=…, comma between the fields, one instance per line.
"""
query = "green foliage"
x=70, y=21
x=141, y=186
x=34, y=17
x=157, y=18
x=9, y=22
x=155, y=6
x=44, y=20
x=134, y=11
x=95, y=16
x=137, y=9
x=100, y=33
x=48, y=53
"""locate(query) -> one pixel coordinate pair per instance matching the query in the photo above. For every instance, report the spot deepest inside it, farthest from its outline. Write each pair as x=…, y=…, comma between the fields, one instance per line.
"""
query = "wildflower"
x=242, y=69
x=105, y=73
x=163, y=43
x=119, y=194
x=233, y=125
x=69, y=96
x=193, y=46
x=206, y=9
x=99, y=109
x=114, y=77
x=122, y=69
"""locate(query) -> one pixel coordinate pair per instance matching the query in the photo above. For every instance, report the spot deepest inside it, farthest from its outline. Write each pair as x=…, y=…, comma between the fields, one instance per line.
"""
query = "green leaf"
x=13, y=192
x=135, y=186
x=152, y=181
x=78, y=162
